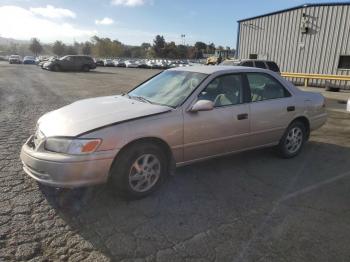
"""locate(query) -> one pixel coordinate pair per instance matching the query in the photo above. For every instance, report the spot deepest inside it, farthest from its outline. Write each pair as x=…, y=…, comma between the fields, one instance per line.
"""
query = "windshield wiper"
x=141, y=98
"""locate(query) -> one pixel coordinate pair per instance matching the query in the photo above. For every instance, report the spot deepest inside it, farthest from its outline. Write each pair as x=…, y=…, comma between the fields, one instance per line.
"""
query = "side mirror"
x=202, y=105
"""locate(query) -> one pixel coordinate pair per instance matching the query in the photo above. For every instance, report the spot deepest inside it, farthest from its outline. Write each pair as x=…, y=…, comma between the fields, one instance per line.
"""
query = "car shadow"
x=231, y=199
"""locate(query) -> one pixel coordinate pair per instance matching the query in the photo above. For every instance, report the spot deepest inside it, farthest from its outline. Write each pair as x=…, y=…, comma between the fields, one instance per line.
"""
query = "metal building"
x=310, y=38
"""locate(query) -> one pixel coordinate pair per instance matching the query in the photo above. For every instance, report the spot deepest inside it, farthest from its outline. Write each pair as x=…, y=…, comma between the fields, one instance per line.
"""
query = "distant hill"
x=8, y=41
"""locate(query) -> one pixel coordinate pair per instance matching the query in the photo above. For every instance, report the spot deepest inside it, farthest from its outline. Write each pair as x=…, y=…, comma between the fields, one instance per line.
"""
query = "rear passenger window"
x=224, y=90
x=260, y=64
x=273, y=67
x=265, y=87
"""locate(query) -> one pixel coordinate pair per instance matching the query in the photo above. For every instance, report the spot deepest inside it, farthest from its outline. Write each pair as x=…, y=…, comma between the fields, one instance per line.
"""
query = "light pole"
x=183, y=38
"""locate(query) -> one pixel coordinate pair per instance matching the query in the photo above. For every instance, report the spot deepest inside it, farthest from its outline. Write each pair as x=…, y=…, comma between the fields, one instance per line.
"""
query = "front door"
x=223, y=129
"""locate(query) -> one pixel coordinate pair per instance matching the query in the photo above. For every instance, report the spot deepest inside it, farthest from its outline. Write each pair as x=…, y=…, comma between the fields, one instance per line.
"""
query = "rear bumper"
x=66, y=171
x=318, y=121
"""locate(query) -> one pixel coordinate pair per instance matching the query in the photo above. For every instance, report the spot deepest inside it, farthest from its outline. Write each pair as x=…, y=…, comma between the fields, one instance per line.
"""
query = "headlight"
x=72, y=146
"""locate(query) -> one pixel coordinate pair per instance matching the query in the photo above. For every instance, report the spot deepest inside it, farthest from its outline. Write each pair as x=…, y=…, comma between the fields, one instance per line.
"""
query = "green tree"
x=200, y=46
x=170, y=50
x=35, y=47
x=158, y=46
x=211, y=48
x=70, y=50
x=146, y=46
x=86, y=49
x=182, y=51
x=58, y=48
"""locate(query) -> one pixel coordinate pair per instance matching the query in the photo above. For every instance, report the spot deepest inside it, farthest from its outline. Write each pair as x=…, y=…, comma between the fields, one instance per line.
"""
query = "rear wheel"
x=293, y=140
x=139, y=170
x=86, y=68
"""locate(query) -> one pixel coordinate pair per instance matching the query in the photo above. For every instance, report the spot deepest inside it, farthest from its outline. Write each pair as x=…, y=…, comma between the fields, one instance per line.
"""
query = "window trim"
x=289, y=94
x=245, y=89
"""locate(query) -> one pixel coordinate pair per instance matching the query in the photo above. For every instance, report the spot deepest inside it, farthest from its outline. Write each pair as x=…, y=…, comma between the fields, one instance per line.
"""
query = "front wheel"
x=293, y=140
x=139, y=170
x=56, y=68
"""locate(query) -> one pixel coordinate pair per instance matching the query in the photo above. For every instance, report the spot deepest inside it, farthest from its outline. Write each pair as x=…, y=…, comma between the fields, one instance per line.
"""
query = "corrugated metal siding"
x=279, y=37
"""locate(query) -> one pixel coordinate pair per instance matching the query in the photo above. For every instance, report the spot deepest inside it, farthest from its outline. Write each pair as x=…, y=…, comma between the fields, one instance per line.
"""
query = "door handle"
x=242, y=116
x=290, y=108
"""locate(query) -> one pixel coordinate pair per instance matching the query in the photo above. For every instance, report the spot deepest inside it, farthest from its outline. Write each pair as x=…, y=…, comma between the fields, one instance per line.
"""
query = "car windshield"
x=170, y=88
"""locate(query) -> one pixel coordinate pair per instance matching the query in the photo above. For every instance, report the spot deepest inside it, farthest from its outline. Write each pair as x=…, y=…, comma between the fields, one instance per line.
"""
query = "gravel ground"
x=248, y=207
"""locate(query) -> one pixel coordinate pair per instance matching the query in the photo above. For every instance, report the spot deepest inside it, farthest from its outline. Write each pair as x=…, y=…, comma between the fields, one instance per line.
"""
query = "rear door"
x=223, y=129
x=272, y=108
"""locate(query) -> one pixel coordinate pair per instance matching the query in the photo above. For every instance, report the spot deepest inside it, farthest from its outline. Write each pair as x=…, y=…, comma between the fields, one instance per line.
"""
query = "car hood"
x=88, y=114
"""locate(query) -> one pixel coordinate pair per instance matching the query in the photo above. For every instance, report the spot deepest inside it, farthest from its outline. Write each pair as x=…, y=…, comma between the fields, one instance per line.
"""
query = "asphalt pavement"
x=252, y=206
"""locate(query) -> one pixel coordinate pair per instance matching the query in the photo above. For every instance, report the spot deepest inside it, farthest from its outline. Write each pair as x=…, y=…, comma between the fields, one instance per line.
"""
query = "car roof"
x=215, y=69
x=246, y=59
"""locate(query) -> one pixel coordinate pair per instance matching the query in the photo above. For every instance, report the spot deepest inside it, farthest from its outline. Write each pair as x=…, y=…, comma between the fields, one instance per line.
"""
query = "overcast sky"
x=131, y=21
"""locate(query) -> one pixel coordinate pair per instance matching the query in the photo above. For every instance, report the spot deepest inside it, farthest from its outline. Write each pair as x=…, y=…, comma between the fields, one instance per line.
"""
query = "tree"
x=200, y=46
x=86, y=49
x=211, y=48
x=146, y=46
x=70, y=50
x=58, y=48
x=182, y=51
x=35, y=47
x=158, y=46
x=170, y=50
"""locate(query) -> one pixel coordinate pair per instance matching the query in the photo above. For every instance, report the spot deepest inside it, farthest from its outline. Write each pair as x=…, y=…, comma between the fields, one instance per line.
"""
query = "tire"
x=86, y=68
x=56, y=68
x=293, y=140
x=125, y=174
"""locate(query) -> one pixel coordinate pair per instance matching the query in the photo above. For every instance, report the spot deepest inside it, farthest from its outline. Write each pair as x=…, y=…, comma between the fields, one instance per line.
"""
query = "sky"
x=132, y=21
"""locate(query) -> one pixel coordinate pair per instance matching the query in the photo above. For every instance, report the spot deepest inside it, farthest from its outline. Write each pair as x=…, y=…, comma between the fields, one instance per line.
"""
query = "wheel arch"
x=306, y=122
x=154, y=140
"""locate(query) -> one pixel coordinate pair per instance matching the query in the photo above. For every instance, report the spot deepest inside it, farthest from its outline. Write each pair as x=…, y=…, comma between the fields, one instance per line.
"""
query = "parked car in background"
x=108, y=62
x=46, y=59
x=99, y=62
x=264, y=64
x=134, y=141
x=71, y=63
x=15, y=59
x=119, y=63
x=131, y=64
x=29, y=60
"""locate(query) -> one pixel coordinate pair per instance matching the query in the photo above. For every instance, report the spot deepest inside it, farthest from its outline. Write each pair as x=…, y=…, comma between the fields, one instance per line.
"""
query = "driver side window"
x=224, y=90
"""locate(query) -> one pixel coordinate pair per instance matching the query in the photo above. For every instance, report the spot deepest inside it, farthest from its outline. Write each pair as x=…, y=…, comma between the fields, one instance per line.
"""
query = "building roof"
x=294, y=8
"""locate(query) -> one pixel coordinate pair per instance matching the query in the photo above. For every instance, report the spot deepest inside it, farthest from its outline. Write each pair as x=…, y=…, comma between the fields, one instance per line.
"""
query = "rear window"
x=260, y=64
x=248, y=64
x=273, y=66
x=88, y=59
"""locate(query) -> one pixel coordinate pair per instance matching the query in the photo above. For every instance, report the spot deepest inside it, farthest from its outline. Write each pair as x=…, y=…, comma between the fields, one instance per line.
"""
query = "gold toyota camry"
x=180, y=116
